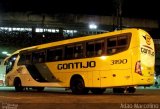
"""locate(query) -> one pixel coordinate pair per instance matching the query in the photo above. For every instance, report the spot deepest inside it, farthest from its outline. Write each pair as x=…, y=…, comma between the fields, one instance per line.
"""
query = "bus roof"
x=73, y=40
x=85, y=38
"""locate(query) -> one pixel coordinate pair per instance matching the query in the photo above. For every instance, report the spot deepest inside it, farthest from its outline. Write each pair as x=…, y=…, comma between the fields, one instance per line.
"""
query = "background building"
x=18, y=30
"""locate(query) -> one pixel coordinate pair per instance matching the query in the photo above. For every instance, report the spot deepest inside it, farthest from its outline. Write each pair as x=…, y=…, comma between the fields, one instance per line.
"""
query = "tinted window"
x=69, y=51
x=38, y=57
x=25, y=58
x=10, y=63
x=54, y=54
x=111, y=42
x=117, y=44
x=90, y=49
x=123, y=40
x=99, y=47
x=78, y=51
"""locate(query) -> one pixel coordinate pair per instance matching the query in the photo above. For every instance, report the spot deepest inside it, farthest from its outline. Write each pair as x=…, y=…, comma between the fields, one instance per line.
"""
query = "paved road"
x=56, y=98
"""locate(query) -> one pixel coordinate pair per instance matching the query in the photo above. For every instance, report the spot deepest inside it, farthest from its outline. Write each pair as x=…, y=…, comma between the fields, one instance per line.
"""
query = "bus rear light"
x=138, y=68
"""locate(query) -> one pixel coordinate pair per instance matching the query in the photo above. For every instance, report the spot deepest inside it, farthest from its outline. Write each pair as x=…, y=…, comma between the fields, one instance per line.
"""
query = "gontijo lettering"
x=76, y=65
x=148, y=51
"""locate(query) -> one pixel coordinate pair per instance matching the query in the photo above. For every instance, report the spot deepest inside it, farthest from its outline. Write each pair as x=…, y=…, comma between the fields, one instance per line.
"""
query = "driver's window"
x=10, y=63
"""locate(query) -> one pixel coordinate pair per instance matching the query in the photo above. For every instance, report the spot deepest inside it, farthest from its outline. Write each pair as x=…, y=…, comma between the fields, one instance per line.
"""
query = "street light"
x=5, y=53
x=92, y=26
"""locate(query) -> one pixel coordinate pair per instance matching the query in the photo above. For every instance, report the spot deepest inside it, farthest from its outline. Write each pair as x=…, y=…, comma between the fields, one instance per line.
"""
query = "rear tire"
x=77, y=86
x=119, y=90
x=18, y=85
x=131, y=90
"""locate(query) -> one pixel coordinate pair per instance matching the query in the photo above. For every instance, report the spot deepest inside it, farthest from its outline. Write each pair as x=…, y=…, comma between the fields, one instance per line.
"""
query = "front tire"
x=77, y=86
x=18, y=85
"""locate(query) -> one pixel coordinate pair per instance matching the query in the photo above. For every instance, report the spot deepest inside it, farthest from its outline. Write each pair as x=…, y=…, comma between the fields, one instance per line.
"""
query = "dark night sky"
x=130, y=8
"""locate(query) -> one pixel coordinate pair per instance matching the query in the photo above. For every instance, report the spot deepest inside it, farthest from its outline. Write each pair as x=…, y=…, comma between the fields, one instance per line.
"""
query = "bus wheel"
x=118, y=90
x=18, y=85
x=39, y=89
x=77, y=86
x=131, y=90
x=98, y=90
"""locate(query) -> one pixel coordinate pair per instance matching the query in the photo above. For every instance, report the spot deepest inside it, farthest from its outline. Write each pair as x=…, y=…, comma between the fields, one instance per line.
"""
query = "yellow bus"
x=120, y=60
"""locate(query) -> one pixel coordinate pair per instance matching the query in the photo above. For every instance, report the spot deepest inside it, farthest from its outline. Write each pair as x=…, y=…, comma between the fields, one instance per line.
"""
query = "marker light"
x=138, y=68
x=103, y=57
x=4, y=52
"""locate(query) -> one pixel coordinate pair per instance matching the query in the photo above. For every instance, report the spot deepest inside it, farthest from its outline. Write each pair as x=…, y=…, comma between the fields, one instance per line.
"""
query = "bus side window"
x=10, y=63
x=28, y=58
x=38, y=57
x=22, y=59
x=122, y=43
x=69, y=52
x=78, y=51
x=25, y=58
x=122, y=40
x=111, y=51
x=34, y=58
x=117, y=44
x=51, y=55
x=58, y=54
x=41, y=57
x=112, y=42
x=111, y=45
x=99, y=47
x=54, y=54
x=90, y=49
